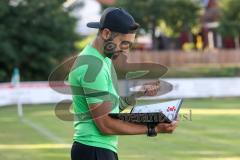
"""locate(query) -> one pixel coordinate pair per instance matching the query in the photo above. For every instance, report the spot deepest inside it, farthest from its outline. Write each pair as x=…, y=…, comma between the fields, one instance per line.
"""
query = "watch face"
x=151, y=131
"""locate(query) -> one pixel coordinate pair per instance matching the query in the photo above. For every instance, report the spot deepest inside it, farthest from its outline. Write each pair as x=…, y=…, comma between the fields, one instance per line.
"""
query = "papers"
x=169, y=109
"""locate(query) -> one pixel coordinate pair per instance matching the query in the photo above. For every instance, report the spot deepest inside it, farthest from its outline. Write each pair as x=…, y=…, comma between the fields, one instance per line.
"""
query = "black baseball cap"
x=116, y=20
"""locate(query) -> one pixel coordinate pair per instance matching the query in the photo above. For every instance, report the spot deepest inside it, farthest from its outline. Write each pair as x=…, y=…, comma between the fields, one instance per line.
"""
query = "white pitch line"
x=43, y=131
x=33, y=146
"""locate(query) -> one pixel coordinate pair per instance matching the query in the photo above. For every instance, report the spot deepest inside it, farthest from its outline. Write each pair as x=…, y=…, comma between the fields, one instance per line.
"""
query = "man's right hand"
x=166, y=127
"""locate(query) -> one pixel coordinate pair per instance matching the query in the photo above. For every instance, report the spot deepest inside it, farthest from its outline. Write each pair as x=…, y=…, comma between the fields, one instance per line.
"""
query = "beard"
x=113, y=55
x=109, y=49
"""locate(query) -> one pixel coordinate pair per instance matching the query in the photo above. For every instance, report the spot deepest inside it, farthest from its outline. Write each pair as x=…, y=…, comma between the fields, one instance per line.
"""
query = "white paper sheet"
x=169, y=108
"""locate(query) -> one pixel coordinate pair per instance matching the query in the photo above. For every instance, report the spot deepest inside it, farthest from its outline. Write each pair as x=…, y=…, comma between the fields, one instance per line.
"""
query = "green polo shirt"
x=96, y=78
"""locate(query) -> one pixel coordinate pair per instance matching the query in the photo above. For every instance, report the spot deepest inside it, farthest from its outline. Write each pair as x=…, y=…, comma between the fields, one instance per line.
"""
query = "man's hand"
x=166, y=127
x=151, y=89
x=148, y=89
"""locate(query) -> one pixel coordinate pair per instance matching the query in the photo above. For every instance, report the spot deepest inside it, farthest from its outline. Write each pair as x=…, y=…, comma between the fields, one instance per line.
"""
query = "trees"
x=35, y=36
x=178, y=15
x=230, y=20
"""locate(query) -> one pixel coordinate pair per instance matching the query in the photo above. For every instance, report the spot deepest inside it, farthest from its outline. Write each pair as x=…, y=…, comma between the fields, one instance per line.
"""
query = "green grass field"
x=213, y=133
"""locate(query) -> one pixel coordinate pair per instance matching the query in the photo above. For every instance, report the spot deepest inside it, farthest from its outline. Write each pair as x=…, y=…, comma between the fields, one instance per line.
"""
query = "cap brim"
x=135, y=26
x=94, y=25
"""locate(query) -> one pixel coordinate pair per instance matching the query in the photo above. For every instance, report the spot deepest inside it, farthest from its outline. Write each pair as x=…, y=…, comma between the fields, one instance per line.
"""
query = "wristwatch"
x=151, y=131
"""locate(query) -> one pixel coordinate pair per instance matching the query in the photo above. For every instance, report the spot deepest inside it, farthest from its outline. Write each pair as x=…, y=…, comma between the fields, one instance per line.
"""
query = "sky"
x=90, y=12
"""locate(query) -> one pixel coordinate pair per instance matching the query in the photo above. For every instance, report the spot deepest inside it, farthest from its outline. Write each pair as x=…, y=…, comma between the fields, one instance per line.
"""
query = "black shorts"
x=84, y=152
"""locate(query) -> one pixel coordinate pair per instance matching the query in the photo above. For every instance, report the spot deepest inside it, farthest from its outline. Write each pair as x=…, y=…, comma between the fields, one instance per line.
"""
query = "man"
x=95, y=138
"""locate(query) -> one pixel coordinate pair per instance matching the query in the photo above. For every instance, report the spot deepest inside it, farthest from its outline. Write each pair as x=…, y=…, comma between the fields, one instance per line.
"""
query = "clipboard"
x=152, y=114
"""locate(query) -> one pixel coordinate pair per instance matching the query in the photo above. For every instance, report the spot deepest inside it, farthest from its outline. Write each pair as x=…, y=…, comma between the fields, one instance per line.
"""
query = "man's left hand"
x=151, y=88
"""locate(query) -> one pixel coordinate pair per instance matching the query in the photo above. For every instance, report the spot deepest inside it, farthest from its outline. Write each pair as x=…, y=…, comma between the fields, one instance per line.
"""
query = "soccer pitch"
x=212, y=133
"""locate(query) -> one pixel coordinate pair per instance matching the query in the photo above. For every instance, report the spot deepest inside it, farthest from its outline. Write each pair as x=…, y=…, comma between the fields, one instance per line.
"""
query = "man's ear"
x=105, y=34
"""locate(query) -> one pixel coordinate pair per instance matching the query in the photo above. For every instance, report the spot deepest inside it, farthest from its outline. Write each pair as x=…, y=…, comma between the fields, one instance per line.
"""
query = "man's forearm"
x=119, y=127
x=111, y=126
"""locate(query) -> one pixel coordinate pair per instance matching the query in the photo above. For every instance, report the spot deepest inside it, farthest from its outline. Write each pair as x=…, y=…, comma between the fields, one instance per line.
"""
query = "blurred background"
x=197, y=40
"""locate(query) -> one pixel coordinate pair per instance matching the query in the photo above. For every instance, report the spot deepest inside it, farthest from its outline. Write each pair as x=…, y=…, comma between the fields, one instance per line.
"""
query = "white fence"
x=203, y=87
x=29, y=93
x=40, y=92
